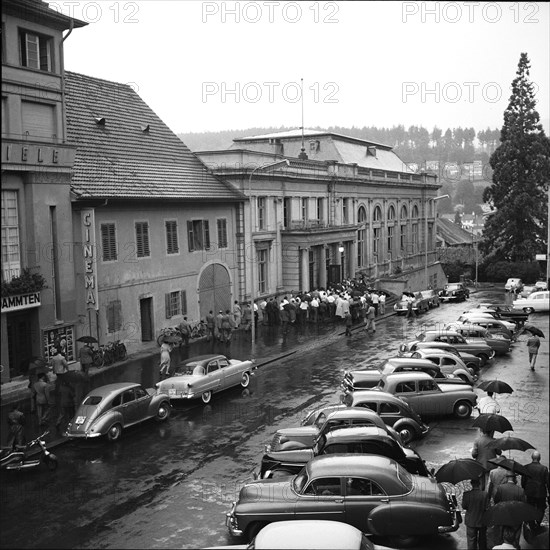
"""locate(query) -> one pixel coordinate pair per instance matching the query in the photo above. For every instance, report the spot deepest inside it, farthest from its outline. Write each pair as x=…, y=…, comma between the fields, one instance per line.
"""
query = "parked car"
x=499, y=343
x=541, y=285
x=457, y=292
x=369, y=378
x=486, y=320
x=428, y=397
x=365, y=491
x=477, y=348
x=109, y=409
x=353, y=439
x=538, y=301
x=419, y=304
x=392, y=410
x=526, y=291
x=203, y=375
x=311, y=534
x=513, y=284
x=448, y=363
x=506, y=312
x=306, y=436
x=471, y=361
x=432, y=296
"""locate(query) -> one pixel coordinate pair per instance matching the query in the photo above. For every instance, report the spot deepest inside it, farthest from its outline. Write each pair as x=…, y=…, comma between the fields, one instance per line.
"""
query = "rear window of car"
x=92, y=400
x=405, y=477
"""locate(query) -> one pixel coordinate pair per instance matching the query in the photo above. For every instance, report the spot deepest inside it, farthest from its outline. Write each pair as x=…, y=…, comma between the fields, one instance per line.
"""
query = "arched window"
x=415, y=212
x=361, y=237
x=403, y=213
x=377, y=216
x=403, y=240
x=391, y=213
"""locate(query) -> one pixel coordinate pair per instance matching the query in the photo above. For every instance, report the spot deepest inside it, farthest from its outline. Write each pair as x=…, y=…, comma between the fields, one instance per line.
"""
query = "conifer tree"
x=517, y=230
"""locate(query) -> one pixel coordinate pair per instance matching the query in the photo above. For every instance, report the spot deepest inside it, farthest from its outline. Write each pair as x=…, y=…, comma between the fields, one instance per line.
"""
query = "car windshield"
x=92, y=400
x=420, y=336
x=300, y=481
x=452, y=287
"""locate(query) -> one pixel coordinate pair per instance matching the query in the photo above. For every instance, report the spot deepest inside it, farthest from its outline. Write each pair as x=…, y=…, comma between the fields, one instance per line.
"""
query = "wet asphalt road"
x=169, y=485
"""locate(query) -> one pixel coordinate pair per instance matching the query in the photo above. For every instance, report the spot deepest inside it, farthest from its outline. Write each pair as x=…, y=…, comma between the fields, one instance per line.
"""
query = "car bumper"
x=457, y=517
x=231, y=523
x=81, y=436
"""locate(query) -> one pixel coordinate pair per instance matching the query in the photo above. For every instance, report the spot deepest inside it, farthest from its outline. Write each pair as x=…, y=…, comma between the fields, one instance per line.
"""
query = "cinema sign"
x=21, y=301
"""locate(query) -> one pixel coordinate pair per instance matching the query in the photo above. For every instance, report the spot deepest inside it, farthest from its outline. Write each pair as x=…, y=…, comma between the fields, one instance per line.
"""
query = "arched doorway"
x=214, y=289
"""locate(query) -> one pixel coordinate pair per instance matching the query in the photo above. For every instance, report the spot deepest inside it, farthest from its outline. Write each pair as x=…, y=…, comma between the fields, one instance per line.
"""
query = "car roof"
x=442, y=331
x=308, y=534
x=202, y=358
x=413, y=361
x=415, y=375
x=351, y=413
x=356, y=433
x=108, y=389
x=349, y=464
x=436, y=351
x=377, y=396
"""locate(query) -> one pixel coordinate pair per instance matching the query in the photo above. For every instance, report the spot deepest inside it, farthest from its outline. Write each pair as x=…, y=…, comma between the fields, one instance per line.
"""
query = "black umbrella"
x=496, y=386
x=511, y=465
x=459, y=470
x=87, y=340
x=510, y=512
x=37, y=363
x=492, y=423
x=534, y=330
x=509, y=443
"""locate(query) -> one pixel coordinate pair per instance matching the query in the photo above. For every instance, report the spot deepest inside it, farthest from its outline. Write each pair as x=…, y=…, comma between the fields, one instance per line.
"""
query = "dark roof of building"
x=125, y=151
x=452, y=233
x=40, y=12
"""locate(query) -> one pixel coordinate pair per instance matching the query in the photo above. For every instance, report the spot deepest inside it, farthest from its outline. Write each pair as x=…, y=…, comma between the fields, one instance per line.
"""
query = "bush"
x=500, y=272
x=25, y=283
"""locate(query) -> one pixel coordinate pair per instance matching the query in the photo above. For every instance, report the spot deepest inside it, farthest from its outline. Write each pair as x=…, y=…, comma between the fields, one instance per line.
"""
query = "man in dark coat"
x=483, y=451
x=475, y=503
x=536, y=486
x=509, y=491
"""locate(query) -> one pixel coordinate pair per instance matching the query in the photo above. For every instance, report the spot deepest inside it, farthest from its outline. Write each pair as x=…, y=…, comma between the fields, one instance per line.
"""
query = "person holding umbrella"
x=507, y=492
x=533, y=345
x=483, y=451
x=488, y=404
x=475, y=503
x=86, y=356
x=536, y=486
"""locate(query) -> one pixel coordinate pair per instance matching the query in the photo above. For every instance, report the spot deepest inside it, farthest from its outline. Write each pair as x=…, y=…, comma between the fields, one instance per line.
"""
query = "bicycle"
x=198, y=330
x=98, y=357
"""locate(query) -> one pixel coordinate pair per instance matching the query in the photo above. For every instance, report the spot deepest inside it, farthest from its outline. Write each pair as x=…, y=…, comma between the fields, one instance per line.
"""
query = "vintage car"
x=312, y=534
x=299, y=437
x=432, y=296
x=499, y=343
x=448, y=363
x=541, y=285
x=393, y=411
x=513, y=284
x=353, y=439
x=505, y=312
x=107, y=410
x=366, y=491
x=489, y=321
x=369, y=378
x=478, y=348
x=429, y=397
x=526, y=291
x=457, y=292
x=203, y=375
x=420, y=304
x=471, y=361
x=537, y=301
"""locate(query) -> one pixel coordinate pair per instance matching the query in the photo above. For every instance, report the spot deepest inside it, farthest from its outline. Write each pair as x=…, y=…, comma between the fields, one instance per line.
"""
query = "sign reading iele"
x=21, y=301
x=89, y=251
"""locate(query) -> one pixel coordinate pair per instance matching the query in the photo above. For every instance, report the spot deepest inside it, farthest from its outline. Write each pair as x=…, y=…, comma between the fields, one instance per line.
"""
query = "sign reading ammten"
x=21, y=301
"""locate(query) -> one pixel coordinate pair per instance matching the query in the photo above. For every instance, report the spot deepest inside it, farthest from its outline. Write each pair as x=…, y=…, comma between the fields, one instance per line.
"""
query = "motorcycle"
x=18, y=459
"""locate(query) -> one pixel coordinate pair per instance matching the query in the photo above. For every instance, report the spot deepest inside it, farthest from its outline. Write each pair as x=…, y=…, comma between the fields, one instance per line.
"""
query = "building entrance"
x=214, y=290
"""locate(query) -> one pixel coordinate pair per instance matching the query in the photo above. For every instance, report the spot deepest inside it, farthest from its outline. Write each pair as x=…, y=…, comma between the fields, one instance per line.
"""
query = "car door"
x=449, y=365
x=434, y=401
x=230, y=375
x=128, y=407
x=322, y=498
x=362, y=495
x=214, y=376
x=389, y=413
x=143, y=400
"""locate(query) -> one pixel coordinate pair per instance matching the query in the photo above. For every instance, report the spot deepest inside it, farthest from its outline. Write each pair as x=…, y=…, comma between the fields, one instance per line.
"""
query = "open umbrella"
x=511, y=465
x=509, y=443
x=170, y=339
x=510, y=512
x=534, y=330
x=496, y=386
x=493, y=423
x=87, y=340
x=459, y=470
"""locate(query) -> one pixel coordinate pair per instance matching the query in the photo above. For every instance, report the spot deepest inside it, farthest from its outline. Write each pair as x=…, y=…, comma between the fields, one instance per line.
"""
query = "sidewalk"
x=271, y=345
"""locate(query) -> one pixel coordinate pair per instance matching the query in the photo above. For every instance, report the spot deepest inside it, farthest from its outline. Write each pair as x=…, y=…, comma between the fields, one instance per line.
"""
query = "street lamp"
x=439, y=197
x=268, y=166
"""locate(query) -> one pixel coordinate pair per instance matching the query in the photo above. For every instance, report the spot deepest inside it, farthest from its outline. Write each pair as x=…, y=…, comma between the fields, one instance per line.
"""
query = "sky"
x=210, y=66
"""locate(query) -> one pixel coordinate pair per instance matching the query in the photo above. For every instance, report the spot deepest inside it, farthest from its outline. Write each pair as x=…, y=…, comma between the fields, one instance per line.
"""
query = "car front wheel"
x=463, y=409
x=206, y=396
x=114, y=433
x=245, y=380
x=407, y=434
x=163, y=412
x=528, y=310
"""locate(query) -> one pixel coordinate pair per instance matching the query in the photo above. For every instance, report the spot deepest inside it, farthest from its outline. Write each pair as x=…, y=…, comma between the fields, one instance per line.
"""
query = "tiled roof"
x=452, y=233
x=119, y=160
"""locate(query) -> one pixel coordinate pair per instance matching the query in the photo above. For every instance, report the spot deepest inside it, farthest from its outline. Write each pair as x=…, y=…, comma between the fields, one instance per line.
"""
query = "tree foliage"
x=517, y=230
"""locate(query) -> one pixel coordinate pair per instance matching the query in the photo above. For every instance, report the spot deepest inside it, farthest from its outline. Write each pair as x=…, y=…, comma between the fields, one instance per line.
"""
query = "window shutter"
x=190, y=236
x=172, y=237
x=142, y=239
x=183, y=302
x=118, y=315
x=108, y=241
x=206, y=235
x=167, y=306
x=38, y=119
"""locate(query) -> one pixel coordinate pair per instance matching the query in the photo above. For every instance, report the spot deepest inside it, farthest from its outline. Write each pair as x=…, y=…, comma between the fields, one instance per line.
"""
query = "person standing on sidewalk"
x=483, y=451
x=40, y=387
x=475, y=503
x=210, y=326
x=86, y=357
x=533, y=345
x=16, y=424
x=66, y=401
x=382, y=303
x=349, y=322
x=536, y=487
x=165, y=350
x=185, y=331
x=371, y=314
